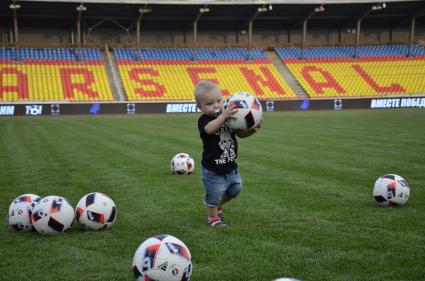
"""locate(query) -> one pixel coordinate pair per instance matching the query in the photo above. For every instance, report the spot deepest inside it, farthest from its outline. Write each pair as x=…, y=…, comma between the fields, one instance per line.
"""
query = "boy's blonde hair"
x=204, y=87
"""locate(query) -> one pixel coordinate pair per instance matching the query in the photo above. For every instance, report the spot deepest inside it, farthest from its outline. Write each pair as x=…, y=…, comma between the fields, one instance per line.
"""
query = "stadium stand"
x=53, y=74
x=170, y=74
x=377, y=71
x=64, y=74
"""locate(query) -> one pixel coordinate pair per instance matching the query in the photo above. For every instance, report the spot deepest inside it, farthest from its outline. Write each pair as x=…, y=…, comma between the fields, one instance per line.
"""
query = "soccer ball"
x=285, y=279
x=96, y=211
x=19, y=215
x=52, y=215
x=249, y=111
x=162, y=258
x=391, y=190
x=182, y=164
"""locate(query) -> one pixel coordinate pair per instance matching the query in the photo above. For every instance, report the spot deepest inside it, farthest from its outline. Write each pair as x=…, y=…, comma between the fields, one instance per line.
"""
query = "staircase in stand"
x=287, y=75
x=113, y=76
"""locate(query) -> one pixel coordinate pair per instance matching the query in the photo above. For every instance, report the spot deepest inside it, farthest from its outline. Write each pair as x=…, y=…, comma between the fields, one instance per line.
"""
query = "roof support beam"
x=359, y=24
x=80, y=9
x=411, y=35
x=318, y=9
x=15, y=38
x=142, y=11
x=250, y=28
x=202, y=11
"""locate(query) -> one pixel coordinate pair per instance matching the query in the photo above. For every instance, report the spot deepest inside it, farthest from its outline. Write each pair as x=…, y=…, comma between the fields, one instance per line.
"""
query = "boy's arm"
x=215, y=124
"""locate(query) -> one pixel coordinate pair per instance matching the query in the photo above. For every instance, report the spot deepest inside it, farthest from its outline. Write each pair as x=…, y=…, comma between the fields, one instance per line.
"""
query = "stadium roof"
x=222, y=15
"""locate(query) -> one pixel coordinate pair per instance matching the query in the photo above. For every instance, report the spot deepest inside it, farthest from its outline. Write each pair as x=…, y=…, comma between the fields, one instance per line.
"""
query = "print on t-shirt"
x=227, y=146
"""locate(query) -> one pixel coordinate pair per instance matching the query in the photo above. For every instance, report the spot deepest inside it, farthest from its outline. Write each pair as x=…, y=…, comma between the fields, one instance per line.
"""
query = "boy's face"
x=211, y=103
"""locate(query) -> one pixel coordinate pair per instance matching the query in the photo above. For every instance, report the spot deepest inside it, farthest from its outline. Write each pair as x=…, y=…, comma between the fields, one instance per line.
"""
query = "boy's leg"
x=225, y=199
x=232, y=192
x=212, y=212
x=213, y=218
x=212, y=202
x=220, y=212
x=215, y=189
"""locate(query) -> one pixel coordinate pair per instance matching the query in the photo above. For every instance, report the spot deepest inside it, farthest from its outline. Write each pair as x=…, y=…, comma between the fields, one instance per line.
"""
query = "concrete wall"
x=264, y=39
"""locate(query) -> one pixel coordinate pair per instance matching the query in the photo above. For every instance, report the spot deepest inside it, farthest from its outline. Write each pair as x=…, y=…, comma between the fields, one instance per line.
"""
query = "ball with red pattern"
x=20, y=210
x=52, y=215
x=162, y=258
x=249, y=112
x=391, y=190
x=182, y=164
x=96, y=211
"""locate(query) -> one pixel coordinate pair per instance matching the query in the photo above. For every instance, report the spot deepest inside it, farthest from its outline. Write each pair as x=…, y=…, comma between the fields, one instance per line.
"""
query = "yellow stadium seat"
x=175, y=81
x=360, y=78
x=45, y=83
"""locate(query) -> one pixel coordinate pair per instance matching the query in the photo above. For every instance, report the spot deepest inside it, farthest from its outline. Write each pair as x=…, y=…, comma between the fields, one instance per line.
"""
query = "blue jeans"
x=216, y=186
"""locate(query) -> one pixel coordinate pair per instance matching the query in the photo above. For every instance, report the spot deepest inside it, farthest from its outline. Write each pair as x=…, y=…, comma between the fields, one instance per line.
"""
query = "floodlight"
x=377, y=7
x=81, y=8
x=319, y=9
x=144, y=10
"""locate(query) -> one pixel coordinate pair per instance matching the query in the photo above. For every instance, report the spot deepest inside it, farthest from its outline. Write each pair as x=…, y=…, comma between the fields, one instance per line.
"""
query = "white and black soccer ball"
x=391, y=190
x=96, y=211
x=52, y=215
x=182, y=164
x=20, y=210
x=249, y=112
x=162, y=258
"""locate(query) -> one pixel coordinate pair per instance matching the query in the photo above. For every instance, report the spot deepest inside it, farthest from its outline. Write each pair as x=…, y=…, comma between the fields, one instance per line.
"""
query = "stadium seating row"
x=53, y=82
x=54, y=74
x=176, y=81
x=352, y=78
x=187, y=54
x=345, y=52
x=69, y=54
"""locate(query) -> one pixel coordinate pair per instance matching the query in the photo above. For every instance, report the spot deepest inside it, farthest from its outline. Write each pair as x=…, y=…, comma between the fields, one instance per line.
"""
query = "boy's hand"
x=215, y=124
x=229, y=111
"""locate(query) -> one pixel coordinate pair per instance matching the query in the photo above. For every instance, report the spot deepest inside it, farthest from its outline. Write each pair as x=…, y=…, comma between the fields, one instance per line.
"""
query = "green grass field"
x=306, y=210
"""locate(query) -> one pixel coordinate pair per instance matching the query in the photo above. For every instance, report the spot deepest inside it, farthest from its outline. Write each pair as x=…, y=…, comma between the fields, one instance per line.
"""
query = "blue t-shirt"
x=220, y=149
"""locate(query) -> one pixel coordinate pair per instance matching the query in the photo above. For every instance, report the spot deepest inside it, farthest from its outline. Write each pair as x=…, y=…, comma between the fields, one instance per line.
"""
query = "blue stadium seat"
x=50, y=54
x=336, y=52
x=187, y=54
